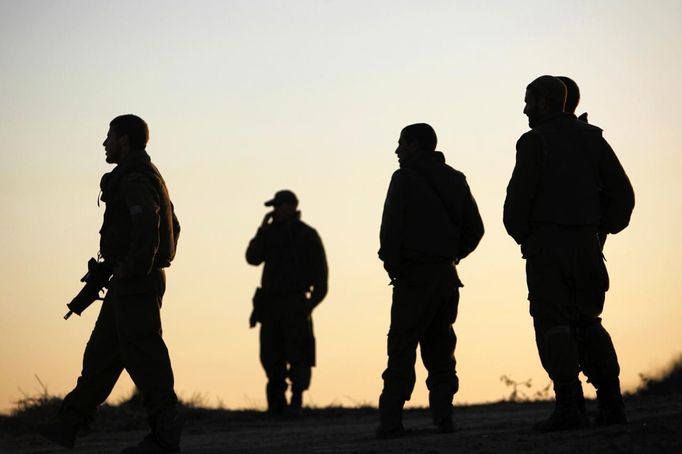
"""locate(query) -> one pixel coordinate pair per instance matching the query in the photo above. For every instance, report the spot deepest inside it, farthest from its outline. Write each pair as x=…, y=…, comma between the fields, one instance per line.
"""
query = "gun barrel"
x=68, y=314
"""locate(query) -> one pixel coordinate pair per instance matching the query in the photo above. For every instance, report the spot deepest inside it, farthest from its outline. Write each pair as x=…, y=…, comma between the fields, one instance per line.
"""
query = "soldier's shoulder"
x=134, y=178
x=530, y=137
x=307, y=229
x=586, y=127
x=401, y=175
x=137, y=183
x=454, y=176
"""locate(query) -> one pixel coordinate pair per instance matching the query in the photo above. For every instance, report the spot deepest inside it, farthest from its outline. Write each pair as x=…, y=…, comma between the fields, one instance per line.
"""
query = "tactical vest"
x=116, y=231
x=569, y=188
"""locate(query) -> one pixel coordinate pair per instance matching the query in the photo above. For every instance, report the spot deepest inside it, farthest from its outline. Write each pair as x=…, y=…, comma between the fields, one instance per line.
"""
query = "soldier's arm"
x=255, y=252
x=522, y=188
x=176, y=226
x=143, y=206
x=320, y=271
x=472, y=224
x=617, y=196
x=391, y=235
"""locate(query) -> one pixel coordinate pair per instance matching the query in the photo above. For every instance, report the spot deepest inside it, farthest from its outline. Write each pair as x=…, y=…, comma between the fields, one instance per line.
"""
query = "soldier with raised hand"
x=566, y=187
x=293, y=283
x=430, y=222
x=138, y=240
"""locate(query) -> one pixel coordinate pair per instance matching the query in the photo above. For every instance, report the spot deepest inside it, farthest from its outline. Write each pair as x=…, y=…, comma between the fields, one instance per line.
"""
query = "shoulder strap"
x=435, y=190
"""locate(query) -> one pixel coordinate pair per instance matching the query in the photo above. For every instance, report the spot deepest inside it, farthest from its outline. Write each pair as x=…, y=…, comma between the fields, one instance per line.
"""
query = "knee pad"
x=558, y=352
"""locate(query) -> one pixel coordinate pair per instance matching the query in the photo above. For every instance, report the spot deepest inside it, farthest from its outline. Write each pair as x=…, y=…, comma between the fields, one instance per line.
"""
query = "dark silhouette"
x=430, y=222
x=567, y=186
x=293, y=283
x=572, y=101
x=138, y=238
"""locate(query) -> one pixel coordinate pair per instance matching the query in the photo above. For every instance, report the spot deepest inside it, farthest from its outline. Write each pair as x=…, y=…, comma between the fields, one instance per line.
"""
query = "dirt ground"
x=655, y=427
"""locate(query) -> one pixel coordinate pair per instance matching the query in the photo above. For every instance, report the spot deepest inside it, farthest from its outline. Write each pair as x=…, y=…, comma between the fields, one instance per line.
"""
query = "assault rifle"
x=96, y=279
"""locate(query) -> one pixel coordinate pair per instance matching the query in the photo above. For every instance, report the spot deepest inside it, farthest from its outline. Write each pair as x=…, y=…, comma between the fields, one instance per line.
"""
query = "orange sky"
x=245, y=98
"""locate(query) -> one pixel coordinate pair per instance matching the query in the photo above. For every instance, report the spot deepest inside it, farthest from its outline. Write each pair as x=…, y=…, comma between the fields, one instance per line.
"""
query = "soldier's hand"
x=267, y=220
x=392, y=270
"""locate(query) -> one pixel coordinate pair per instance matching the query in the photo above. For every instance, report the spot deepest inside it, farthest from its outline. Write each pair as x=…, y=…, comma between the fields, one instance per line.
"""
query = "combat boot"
x=440, y=404
x=611, y=405
x=164, y=436
x=277, y=401
x=566, y=414
x=390, y=417
x=59, y=432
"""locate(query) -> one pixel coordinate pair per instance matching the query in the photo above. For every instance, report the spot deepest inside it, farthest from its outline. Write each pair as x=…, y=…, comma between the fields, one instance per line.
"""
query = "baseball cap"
x=282, y=197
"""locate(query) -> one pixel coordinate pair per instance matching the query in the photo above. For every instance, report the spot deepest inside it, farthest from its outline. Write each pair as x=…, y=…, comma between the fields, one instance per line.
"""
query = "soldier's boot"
x=566, y=414
x=164, y=436
x=440, y=404
x=611, y=405
x=59, y=432
x=275, y=393
x=390, y=416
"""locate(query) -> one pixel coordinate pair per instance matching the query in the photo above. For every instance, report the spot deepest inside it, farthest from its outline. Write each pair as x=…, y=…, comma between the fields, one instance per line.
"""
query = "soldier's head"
x=572, y=94
x=545, y=96
x=284, y=204
x=126, y=133
x=414, y=140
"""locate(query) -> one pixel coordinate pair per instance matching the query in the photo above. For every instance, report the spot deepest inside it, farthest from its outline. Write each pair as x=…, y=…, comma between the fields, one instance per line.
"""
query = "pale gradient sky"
x=247, y=97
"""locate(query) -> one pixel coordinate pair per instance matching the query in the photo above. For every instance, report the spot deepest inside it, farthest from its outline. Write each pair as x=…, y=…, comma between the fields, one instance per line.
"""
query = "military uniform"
x=430, y=222
x=139, y=235
x=293, y=282
x=566, y=188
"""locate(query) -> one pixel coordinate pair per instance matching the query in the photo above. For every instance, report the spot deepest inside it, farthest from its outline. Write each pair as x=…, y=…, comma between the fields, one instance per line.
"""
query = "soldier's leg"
x=551, y=293
x=597, y=354
x=399, y=376
x=412, y=310
x=438, y=354
x=403, y=338
x=600, y=364
x=297, y=337
x=560, y=350
x=101, y=368
x=273, y=361
x=145, y=355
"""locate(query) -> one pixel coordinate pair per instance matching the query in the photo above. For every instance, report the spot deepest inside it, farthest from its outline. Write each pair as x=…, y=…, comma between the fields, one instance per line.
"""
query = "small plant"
x=518, y=394
x=36, y=407
x=669, y=381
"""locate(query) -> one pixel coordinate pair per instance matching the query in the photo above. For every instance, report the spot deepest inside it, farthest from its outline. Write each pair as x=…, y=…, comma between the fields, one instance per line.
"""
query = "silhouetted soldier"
x=554, y=210
x=294, y=281
x=430, y=222
x=137, y=241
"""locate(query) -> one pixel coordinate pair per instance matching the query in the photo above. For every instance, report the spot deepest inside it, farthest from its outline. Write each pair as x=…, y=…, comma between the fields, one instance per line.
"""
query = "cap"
x=551, y=87
x=282, y=197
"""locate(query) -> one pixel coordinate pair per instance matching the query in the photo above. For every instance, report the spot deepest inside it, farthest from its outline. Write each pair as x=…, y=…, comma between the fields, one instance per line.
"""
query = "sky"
x=244, y=98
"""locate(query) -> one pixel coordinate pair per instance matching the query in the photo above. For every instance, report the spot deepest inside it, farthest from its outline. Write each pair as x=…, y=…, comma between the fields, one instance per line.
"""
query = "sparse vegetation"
x=521, y=390
x=669, y=381
x=129, y=413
